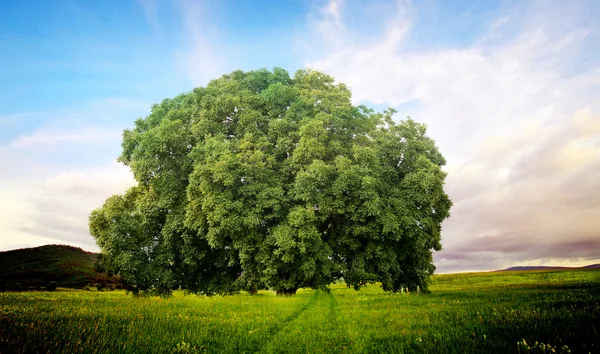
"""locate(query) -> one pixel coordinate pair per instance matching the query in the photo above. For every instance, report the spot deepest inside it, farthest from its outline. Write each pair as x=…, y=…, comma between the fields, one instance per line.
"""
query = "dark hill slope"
x=35, y=267
x=525, y=268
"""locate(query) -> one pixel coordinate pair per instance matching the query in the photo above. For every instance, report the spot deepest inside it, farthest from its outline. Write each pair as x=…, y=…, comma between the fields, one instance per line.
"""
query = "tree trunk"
x=286, y=292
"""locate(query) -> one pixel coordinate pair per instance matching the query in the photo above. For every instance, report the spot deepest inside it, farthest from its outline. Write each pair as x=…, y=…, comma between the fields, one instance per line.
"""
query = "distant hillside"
x=35, y=267
x=592, y=266
x=523, y=268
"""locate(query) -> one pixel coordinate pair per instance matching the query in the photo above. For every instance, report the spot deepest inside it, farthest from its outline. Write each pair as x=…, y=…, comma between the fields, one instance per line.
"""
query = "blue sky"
x=508, y=89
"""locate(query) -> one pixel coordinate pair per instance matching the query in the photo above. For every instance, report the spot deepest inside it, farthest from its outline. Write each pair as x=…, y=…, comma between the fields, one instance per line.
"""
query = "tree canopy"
x=262, y=180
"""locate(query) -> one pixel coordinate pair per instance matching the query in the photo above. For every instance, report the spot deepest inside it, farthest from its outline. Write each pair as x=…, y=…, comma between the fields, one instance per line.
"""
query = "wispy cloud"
x=202, y=59
x=151, y=12
x=49, y=138
x=512, y=105
x=516, y=118
x=54, y=208
x=328, y=22
x=58, y=170
x=332, y=9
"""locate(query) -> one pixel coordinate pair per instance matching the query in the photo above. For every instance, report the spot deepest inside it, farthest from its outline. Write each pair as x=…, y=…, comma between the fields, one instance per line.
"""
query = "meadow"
x=496, y=312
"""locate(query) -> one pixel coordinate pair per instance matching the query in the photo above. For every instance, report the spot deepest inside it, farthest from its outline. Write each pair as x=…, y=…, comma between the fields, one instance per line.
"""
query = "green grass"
x=465, y=313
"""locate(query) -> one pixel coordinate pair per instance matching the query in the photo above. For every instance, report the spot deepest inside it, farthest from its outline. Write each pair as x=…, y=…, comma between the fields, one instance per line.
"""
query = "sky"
x=509, y=90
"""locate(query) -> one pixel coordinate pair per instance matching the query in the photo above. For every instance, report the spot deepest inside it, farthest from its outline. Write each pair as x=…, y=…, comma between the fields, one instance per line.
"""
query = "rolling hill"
x=525, y=268
x=31, y=268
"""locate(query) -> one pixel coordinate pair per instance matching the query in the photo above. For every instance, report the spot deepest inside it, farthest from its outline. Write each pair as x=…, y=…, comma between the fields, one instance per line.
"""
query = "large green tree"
x=263, y=180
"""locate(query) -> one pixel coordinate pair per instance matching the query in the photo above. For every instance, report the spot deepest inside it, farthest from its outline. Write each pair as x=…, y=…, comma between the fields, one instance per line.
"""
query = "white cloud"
x=110, y=112
x=516, y=119
x=202, y=59
x=59, y=170
x=48, y=138
x=54, y=208
x=53, y=140
x=151, y=9
x=328, y=23
x=332, y=9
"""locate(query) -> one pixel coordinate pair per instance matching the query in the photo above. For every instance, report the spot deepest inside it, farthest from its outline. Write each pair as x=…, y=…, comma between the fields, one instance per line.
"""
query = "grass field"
x=499, y=312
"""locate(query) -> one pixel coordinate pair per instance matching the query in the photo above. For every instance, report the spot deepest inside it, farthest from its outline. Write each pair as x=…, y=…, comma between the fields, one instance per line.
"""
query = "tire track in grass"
x=266, y=337
x=276, y=328
x=255, y=342
x=314, y=330
x=342, y=340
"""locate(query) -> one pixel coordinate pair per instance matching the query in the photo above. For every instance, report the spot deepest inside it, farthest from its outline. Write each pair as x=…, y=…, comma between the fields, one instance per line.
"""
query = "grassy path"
x=316, y=329
x=276, y=329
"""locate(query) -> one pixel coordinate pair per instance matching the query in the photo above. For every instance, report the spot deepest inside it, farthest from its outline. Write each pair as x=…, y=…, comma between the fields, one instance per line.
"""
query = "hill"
x=34, y=267
x=525, y=268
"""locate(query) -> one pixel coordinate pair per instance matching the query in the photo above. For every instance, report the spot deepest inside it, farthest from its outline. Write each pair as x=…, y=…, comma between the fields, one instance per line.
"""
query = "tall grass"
x=465, y=313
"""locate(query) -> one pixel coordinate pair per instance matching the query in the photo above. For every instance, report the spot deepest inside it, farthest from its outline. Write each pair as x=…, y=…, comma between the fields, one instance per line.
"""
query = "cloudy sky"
x=510, y=91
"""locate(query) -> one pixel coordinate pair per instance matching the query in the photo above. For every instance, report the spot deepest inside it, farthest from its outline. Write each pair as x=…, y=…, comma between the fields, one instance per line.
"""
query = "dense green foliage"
x=466, y=313
x=35, y=268
x=260, y=180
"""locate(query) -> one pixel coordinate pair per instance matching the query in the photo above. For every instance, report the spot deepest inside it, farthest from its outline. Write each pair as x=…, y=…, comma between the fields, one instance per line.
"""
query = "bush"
x=51, y=286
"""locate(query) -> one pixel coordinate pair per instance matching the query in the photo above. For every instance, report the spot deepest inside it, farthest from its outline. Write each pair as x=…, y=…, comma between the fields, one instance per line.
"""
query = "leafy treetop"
x=263, y=180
